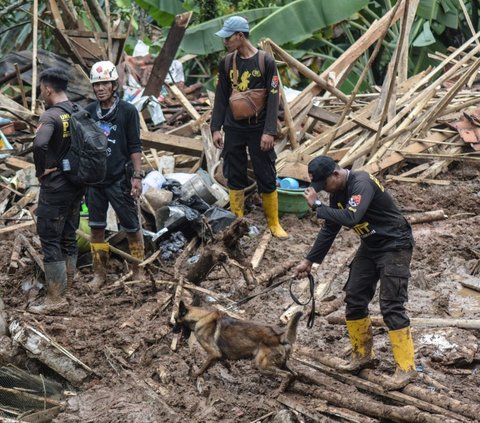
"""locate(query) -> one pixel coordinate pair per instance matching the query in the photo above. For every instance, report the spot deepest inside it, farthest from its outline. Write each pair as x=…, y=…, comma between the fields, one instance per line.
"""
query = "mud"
x=124, y=334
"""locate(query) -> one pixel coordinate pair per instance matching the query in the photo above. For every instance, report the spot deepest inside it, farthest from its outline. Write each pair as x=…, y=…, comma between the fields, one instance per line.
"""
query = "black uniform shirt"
x=369, y=210
x=249, y=77
x=51, y=144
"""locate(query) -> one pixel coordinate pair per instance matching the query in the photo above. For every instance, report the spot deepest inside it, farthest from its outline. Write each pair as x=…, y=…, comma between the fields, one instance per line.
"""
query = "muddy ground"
x=124, y=334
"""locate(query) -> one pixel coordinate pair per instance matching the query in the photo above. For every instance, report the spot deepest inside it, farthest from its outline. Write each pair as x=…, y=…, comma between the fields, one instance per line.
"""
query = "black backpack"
x=86, y=161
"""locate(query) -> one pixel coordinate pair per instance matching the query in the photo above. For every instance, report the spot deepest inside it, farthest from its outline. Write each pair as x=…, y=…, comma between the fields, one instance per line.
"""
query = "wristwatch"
x=138, y=174
x=316, y=205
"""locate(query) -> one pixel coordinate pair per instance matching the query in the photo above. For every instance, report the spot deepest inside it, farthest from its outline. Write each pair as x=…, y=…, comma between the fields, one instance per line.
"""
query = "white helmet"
x=103, y=72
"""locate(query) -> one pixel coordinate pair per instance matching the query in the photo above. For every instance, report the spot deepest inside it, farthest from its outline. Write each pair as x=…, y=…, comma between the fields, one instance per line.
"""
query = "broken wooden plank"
x=15, y=163
x=419, y=180
x=49, y=352
x=173, y=143
x=421, y=322
x=162, y=63
x=319, y=113
x=31, y=250
x=261, y=248
x=184, y=101
x=15, y=228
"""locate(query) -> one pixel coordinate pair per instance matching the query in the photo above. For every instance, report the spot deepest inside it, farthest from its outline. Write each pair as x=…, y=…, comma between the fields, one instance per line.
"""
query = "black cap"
x=320, y=168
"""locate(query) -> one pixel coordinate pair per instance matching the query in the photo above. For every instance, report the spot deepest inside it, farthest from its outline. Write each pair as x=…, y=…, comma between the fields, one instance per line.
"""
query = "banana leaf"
x=201, y=39
x=425, y=38
x=443, y=11
x=163, y=11
x=301, y=18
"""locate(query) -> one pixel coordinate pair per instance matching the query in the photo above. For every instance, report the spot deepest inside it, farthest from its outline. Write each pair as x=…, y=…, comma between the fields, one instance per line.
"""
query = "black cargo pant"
x=118, y=195
x=392, y=268
x=58, y=215
x=235, y=160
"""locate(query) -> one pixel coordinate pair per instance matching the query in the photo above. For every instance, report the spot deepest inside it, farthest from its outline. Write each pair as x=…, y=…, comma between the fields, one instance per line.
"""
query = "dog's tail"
x=290, y=333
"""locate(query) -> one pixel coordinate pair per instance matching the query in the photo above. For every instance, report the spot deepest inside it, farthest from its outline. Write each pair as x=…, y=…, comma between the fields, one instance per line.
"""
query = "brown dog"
x=224, y=337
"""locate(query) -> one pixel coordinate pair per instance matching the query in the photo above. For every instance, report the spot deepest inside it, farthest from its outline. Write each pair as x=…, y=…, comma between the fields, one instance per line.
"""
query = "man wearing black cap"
x=254, y=71
x=359, y=202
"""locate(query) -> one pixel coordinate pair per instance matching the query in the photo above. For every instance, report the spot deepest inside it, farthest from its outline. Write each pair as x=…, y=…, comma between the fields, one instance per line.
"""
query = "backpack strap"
x=73, y=108
x=261, y=61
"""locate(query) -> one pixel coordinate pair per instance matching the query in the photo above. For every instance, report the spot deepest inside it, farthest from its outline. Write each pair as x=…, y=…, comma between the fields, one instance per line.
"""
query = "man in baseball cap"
x=252, y=136
x=360, y=202
x=233, y=25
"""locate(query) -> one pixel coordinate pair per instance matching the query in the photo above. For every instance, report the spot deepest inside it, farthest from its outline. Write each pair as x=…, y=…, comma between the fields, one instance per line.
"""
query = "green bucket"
x=82, y=244
x=292, y=201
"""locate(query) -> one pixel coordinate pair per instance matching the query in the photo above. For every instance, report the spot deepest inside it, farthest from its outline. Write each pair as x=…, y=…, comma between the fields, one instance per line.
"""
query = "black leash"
x=311, y=316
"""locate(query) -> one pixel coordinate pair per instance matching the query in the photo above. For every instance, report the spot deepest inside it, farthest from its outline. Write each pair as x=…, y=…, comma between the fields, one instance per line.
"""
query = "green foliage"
x=162, y=11
x=201, y=39
x=301, y=18
x=208, y=9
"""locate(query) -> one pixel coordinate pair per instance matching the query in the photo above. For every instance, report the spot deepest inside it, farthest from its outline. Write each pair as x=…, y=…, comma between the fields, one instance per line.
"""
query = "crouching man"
x=358, y=201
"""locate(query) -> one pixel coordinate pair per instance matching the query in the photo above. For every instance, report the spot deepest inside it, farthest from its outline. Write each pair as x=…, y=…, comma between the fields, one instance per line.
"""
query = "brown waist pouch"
x=247, y=104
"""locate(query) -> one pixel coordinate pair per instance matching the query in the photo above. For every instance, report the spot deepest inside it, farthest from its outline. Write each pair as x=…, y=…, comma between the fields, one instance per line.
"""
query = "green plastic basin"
x=292, y=201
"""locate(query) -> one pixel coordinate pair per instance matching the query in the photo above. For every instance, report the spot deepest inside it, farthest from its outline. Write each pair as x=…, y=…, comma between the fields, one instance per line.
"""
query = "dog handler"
x=256, y=133
x=358, y=201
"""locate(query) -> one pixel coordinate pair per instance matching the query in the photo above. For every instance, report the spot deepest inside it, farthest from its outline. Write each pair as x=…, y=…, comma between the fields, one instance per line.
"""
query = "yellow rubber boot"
x=137, y=250
x=404, y=356
x=361, y=338
x=270, y=206
x=100, y=252
x=237, y=199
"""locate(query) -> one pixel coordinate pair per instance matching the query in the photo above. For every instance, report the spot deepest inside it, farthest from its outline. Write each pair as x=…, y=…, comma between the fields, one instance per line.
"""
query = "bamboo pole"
x=364, y=73
x=286, y=108
x=109, y=30
x=34, y=56
x=392, y=76
x=349, y=56
x=307, y=72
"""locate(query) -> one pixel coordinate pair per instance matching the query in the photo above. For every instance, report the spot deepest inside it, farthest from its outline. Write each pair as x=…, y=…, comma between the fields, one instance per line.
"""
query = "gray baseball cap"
x=232, y=25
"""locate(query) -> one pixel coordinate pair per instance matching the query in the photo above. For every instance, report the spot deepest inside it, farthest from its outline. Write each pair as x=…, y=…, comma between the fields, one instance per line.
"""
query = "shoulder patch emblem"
x=275, y=81
x=355, y=200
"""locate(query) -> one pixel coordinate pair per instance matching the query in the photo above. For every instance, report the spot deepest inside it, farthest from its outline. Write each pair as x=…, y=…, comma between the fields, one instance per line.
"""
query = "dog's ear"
x=182, y=309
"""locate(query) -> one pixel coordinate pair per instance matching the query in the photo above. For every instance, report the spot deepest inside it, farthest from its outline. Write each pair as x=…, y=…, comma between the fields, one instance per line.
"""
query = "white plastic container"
x=154, y=179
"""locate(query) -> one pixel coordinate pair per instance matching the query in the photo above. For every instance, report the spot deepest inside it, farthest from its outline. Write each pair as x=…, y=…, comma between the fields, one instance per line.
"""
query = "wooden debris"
x=31, y=250
x=41, y=347
x=426, y=217
x=163, y=61
x=373, y=383
x=421, y=322
x=261, y=248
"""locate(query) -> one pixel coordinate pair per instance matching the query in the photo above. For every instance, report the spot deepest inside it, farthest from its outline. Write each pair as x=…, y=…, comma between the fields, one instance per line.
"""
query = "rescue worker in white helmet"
x=122, y=186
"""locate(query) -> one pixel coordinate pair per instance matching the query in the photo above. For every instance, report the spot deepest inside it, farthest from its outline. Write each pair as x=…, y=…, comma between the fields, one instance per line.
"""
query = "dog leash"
x=311, y=316
x=251, y=297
